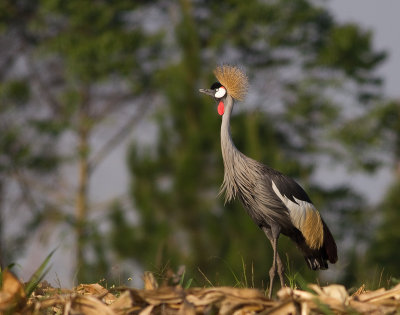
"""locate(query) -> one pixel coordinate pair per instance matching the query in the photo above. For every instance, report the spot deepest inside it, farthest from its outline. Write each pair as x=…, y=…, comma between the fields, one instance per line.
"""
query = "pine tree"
x=385, y=239
x=85, y=63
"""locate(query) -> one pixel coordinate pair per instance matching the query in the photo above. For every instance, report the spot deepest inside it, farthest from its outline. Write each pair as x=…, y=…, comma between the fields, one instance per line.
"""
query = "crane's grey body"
x=248, y=180
x=251, y=182
x=275, y=202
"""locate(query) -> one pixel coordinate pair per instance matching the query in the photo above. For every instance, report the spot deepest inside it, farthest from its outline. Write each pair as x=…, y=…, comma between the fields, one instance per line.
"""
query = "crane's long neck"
x=230, y=153
x=227, y=144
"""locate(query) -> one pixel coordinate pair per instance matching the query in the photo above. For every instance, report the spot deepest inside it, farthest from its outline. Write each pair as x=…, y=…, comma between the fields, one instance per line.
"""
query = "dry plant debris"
x=95, y=299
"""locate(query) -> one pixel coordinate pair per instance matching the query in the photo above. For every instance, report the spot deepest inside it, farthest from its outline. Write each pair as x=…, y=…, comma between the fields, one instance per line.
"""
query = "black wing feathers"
x=288, y=187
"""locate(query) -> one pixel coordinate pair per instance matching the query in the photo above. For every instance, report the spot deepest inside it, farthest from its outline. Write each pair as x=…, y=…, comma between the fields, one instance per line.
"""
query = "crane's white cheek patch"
x=221, y=108
x=220, y=92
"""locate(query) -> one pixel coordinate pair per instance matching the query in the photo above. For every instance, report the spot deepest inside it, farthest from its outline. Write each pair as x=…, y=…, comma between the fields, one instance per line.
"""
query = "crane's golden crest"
x=233, y=79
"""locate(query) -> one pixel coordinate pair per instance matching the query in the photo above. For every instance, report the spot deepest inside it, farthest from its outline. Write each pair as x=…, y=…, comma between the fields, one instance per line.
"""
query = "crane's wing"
x=304, y=216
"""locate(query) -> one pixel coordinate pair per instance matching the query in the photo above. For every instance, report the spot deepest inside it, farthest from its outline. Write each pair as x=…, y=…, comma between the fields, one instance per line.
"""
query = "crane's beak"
x=209, y=92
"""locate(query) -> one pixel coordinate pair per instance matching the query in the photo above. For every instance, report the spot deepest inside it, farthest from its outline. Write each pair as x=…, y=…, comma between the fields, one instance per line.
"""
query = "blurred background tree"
x=85, y=62
x=375, y=133
x=386, y=239
x=28, y=160
x=314, y=88
x=101, y=54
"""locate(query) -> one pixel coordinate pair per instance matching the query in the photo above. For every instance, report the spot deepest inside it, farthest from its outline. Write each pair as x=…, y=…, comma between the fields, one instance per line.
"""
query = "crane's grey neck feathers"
x=238, y=168
x=230, y=154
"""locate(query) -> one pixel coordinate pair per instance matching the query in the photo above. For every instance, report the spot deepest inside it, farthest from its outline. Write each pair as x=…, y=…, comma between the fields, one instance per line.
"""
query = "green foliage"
x=347, y=47
x=372, y=133
x=14, y=93
x=98, y=266
x=376, y=134
x=98, y=41
x=185, y=283
x=38, y=275
x=291, y=275
x=383, y=251
x=83, y=62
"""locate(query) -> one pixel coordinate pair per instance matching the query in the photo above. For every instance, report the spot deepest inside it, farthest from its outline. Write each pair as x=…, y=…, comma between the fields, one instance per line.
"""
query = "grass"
x=38, y=275
x=35, y=279
x=292, y=277
x=379, y=279
x=244, y=272
x=14, y=295
x=205, y=277
x=187, y=284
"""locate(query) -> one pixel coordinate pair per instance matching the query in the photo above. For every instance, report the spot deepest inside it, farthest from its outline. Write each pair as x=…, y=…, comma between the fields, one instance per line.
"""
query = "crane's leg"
x=281, y=270
x=277, y=265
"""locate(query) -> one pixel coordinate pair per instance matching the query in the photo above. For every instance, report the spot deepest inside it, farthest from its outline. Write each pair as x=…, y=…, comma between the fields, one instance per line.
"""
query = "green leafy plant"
x=38, y=275
x=293, y=277
x=188, y=282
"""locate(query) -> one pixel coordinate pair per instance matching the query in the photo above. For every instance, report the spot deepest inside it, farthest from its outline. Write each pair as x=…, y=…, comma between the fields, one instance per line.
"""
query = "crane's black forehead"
x=215, y=85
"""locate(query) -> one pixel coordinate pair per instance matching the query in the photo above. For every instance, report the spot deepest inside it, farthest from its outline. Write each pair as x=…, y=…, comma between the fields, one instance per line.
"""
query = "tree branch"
x=119, y=136
x=44, y=91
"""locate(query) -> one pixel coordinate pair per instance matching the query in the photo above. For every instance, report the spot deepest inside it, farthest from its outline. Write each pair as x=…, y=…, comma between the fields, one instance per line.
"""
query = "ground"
x=96, y=299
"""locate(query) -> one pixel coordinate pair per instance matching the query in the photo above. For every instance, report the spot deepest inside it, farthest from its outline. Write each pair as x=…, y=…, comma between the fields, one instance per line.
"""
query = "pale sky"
x=382, y=17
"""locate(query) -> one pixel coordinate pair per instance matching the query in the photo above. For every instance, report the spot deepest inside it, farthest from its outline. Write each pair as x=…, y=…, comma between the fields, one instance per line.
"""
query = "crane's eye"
x=220, y=92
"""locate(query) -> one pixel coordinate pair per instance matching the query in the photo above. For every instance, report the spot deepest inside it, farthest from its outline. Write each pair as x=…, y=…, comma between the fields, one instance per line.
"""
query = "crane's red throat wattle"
x=221, y=108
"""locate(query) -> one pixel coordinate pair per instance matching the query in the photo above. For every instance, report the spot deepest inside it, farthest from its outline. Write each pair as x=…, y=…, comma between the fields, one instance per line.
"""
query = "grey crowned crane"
x=275, y=202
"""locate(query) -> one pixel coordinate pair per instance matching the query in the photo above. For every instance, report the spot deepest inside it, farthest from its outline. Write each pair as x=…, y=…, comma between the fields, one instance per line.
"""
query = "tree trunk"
x=82, y=191
x=2, y=261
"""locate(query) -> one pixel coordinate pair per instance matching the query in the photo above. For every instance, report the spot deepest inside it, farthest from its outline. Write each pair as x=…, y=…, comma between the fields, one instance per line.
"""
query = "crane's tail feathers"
x=317, y=259
x=329, y=245
x=316, y=262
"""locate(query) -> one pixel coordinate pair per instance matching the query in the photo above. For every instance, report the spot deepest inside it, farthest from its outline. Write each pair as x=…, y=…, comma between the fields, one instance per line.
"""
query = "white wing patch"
x=305, y=217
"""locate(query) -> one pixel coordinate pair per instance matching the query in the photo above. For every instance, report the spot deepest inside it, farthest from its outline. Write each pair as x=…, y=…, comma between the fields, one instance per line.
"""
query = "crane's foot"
x=276, y=268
